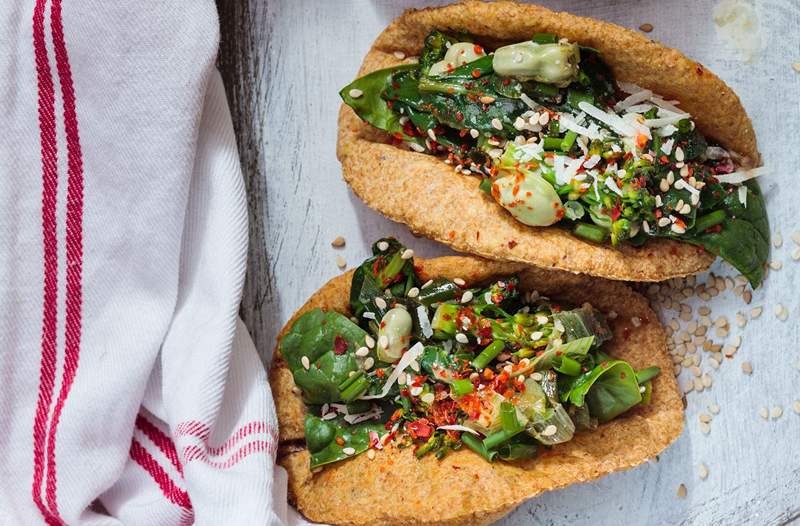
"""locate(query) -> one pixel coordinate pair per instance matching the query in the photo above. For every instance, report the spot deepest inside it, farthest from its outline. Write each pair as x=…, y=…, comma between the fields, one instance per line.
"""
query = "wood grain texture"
x=284, y=61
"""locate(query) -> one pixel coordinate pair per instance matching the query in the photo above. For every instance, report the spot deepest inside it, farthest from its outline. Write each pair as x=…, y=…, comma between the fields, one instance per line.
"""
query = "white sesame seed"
x=763, y=413
x=399, y=55
x=747, y=368
x=355, y=93
x=776, y=412
x=714, y=409
x=496, y=124
x=755, y=312
x=778, y=309
x=460, y=282
x=663, y=186
x=427, y=284
x=416, y=390
x=466, y=297
x=704, y=417
x=306, y=363
x=383, y=341
x=702, y=471
x=796, y=406
x=777, y=240
x=362, y=351
x=413, y=292
x=340, y=262
x=550, y=430
x=348, y=451
x=705, y=428
x=296, y=390
x=407, y=254
x=461, y=338
x=371, y=454
x=486, y=99
x=474, y=133
x=380, y=303
x=368, y=363
x=664, y=221
x=775, y=265
x=796, y=254
x=370, y=341
x=338, y=242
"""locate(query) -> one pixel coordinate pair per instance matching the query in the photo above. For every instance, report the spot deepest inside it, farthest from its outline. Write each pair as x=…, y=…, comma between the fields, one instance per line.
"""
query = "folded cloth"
x=130, y=392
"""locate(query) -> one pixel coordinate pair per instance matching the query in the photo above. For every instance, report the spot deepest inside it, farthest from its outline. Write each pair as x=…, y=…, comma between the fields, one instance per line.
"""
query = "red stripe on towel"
x=74, y=245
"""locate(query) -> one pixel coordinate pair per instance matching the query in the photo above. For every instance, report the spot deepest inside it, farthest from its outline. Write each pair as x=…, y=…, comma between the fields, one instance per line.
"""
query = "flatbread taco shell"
x=427, y=195
x=397, y=488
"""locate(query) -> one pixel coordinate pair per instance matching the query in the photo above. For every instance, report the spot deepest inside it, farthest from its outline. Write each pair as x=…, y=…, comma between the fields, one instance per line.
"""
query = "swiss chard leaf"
x=321, y=438
x=743, y=240
x=609, y=390
x=369, y=105
x=329, y=341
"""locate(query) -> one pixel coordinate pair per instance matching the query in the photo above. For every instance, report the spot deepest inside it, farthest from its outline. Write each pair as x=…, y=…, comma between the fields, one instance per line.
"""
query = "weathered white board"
x=284, y=63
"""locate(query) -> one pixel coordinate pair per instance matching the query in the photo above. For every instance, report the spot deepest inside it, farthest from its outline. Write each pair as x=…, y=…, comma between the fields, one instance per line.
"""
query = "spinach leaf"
x=329, y=341
x=609, y=390
x=370, y=106
x=574, y=350
x=386, y=269
x=582, y=322
x=321, y=438
x=743, y=240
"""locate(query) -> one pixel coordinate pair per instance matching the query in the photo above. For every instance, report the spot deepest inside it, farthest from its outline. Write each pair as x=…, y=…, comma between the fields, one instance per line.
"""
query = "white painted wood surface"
x=284, y=62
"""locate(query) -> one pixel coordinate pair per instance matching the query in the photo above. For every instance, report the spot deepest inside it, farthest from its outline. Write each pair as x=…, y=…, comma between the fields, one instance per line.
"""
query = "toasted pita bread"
x=462, y=488
x=428, y=196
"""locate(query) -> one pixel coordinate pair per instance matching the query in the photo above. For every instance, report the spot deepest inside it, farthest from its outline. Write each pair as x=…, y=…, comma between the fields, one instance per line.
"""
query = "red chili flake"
x=506, y=82
x=339, y=345
x=459, y=116
x=477, y=49
x=616, y=212
x=626, y=333
x=419, y=429
x=380, y=373
x=476, y=73
x=451, y=234
x=340, y=441
x=664, y=159
x=398, y=136
x=512, y=244
x=622, y=375
x=714, y=229
x=404, y=393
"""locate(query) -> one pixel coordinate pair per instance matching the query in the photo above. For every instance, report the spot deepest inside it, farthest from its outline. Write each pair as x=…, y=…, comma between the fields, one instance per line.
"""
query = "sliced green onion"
x=518, y=451
x=594, y=233
x=433, y=443
x=355, y=389
x=569, y=366
x=508, y=418
x=477, y=446
x=486, y=185
x=488, y=354
x=552, y=143
x=355, y=375
x=544, y=90
x=500, y=437
x=575, y=97
x=555, y=127
x=544, y=38
x=705, y=222
x=647, y=374
x=462, y=386
x=569, y=140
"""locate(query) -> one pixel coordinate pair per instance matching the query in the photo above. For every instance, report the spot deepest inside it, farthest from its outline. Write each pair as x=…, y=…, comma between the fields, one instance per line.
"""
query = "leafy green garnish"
x=609, y=390
x=321, y=438
x=328, y=340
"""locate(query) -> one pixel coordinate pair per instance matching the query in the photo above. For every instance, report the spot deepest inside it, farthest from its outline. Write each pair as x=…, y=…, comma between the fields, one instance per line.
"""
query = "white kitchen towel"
x=130, y=393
